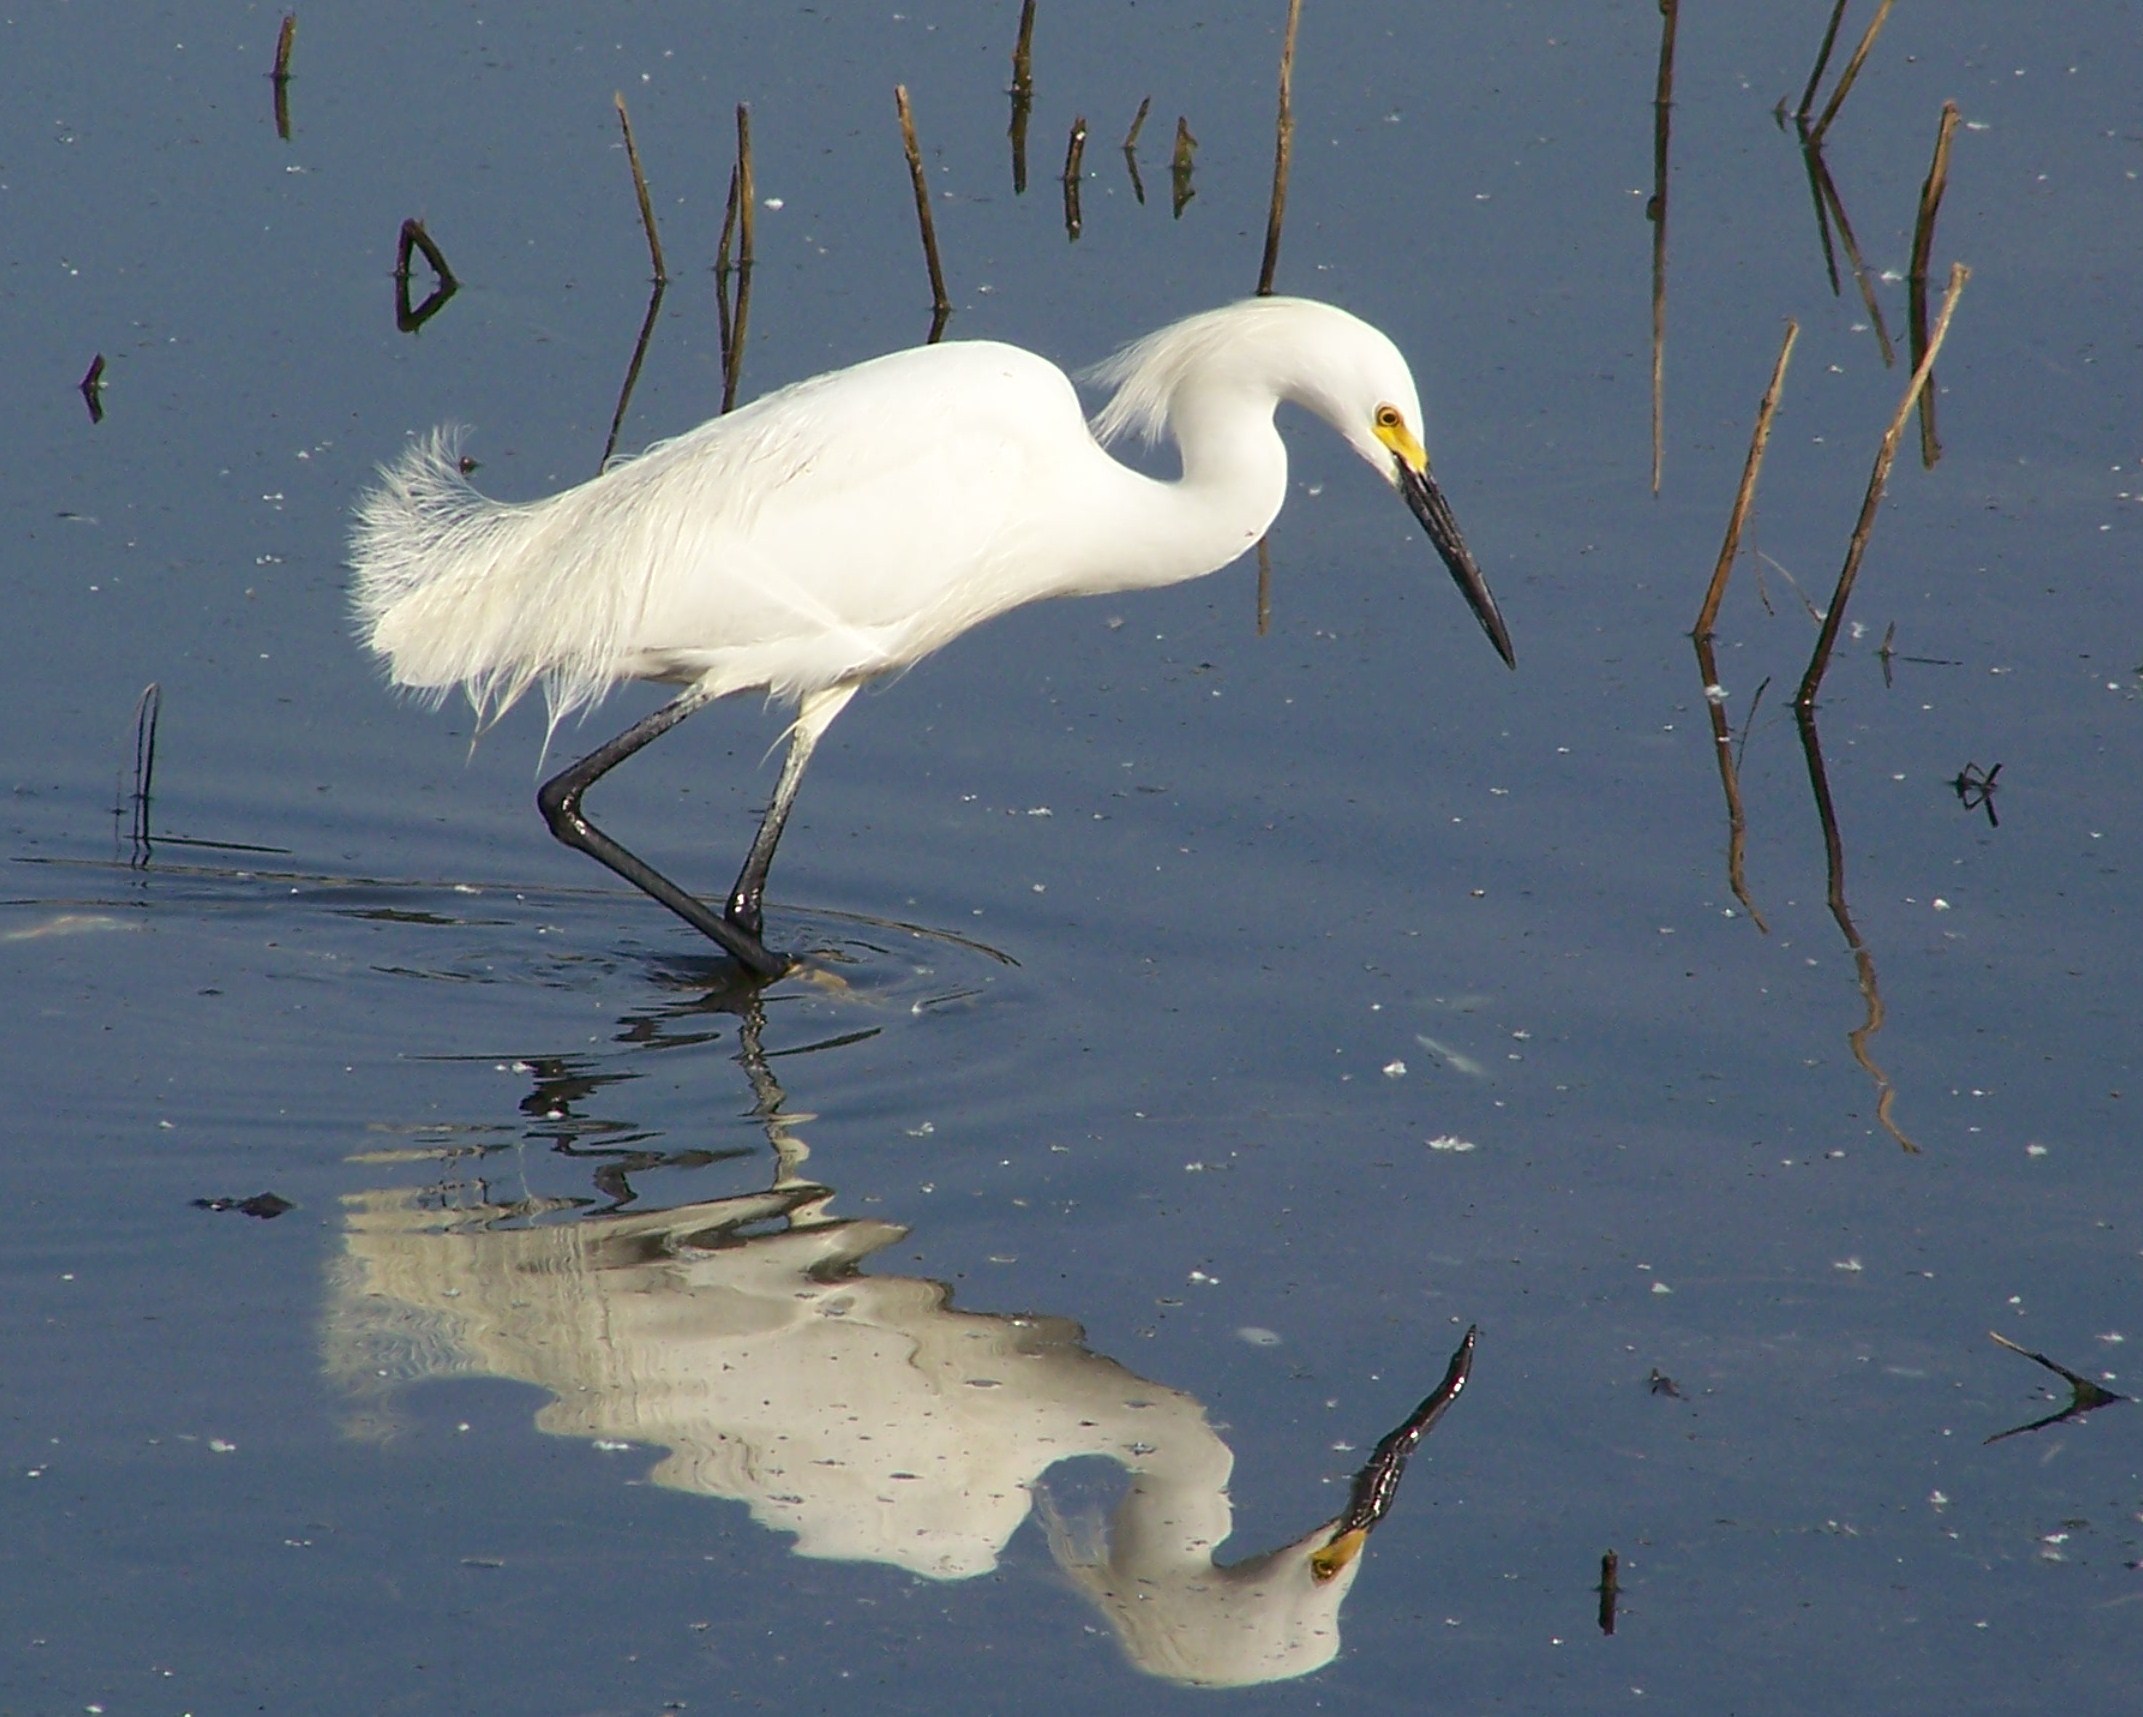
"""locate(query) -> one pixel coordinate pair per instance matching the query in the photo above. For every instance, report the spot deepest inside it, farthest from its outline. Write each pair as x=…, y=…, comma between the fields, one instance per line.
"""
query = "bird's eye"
x=1388, y=417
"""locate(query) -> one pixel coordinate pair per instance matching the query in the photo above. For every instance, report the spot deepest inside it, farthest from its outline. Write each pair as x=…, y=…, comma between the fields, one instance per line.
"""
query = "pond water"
x=1206, y=1023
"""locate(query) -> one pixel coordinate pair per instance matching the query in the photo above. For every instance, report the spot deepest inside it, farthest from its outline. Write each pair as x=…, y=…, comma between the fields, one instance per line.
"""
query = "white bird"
x=845, y=527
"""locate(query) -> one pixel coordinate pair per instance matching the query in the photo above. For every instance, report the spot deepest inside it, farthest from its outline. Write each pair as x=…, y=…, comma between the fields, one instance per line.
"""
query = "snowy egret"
x=843, y=528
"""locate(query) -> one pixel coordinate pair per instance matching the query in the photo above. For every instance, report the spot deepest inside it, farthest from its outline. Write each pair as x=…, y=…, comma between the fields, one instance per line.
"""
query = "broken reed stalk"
x=941, y=306
x=286, y=39
x=632, y=372
x=1852, y=71
x=92, y=386
x=737, y=227
x=1805, y=698
x=1138, y=124
x=1722, y=740
x=148, y=710
x=639, y=185
x=1815, y=77
x=1179, y=166
x=1074, y=171
x=1662, y=111
x=1923, y=239
x=1758, y=441
x=1283, y=150
x=1022, y=96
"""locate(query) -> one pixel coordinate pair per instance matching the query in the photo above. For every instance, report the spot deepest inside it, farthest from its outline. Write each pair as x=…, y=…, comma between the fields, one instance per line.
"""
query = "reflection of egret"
x=863, y=1413
x=846, y=527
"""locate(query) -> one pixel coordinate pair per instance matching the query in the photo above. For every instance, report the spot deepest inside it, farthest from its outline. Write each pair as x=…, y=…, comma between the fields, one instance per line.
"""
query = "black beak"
x=1429, y=506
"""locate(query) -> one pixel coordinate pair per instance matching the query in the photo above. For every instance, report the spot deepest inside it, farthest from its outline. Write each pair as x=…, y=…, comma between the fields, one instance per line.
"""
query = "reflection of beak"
x=1376, y=1486
x=1429, y=506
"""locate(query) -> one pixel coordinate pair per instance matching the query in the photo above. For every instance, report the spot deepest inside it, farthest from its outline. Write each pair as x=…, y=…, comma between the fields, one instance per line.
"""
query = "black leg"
x=559, y=800
x=813, y=717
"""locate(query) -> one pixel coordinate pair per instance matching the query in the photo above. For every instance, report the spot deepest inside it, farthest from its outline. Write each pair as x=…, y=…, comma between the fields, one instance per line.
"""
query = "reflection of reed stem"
x=1737, y=828
x=1283, y=149
x=1662, y=108
x=941, y=306
x=1863, y=961
x=1758, y=441
x=148, y=711
x=1805, y=698
x=1828, y=190
x=639, y=185
x=1852, y=71
x=1923, y=240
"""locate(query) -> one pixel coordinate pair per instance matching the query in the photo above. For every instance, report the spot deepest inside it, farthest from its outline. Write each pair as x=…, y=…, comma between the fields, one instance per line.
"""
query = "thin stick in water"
x=1805, y=698
x=1179, y=167
x=285, y=40
x=632, y=370
x=1022, y=96
x=1138, y=185
x=1662, y=109
x=1758, y=441
x=1815, y=77
x=1852, y=71
x=148, y=710
x=1923, y=240
x=639, y=185
x=733, y=282
x=1283, y=150
x=940, y=305
x=1074, y=170
x=93, y=388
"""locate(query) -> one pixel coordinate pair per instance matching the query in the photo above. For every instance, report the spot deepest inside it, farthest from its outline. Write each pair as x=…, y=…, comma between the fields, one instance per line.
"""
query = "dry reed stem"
x=1138, y=124
x=1815, y=77
x=940, y=304
x=1923, y=239
x=1852, y=71
x=1022, y=96
x=1283, y=150
x=1805, y=698
x=1662, y=111
x=1180, y=164
x=639, y=185
x=1074, y=171
x=1758, y=441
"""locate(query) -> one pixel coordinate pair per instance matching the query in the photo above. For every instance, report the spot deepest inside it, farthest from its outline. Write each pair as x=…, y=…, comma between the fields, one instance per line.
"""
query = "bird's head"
x=1357, y=381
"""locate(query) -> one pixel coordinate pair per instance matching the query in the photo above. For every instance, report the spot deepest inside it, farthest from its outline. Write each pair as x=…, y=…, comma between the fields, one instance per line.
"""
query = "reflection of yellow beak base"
x=1327, y=1563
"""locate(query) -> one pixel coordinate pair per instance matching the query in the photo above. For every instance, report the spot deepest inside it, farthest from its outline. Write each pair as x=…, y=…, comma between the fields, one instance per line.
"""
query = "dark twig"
x=1805, y=698
x=279, y=79
x=1610, y=1588
x=414, y=238
x=1662, y=111
x=1022, y=96
x=1923, y=240
x=1264, y=585
x=941, y=306
x=733, y=283
x=92, y=385
x=2085, y=1396
x=148, y=710
x=1283, y=152
x=1179, y=166
x=1758, y=441
x=1138, y=185
x=632, y=369
x=1722, y=738
x=1852, y=71
x=1827, y=196
x=1074, y=171
x=1815, y=77
x=639, y=185
x=1871, y=994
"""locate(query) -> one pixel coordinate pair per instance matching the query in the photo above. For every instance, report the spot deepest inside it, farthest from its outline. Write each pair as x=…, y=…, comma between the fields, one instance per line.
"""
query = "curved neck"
x=1154, y=532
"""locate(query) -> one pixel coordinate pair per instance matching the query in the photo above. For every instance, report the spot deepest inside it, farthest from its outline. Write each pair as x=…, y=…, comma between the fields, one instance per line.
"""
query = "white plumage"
x=845, y=527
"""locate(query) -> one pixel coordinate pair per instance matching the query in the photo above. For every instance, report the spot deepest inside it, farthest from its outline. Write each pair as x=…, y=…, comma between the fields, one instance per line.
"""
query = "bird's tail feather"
x=452, y=588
